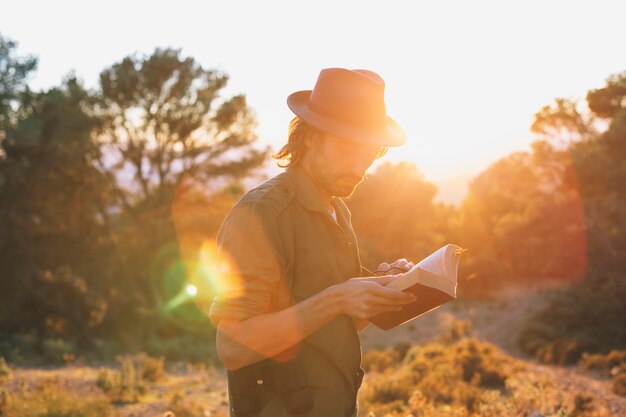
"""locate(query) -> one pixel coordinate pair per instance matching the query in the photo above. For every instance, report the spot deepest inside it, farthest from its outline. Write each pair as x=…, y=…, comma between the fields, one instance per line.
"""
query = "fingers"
x=403, y=264
x=383, y=267
x=384, y=279
x=393, y=294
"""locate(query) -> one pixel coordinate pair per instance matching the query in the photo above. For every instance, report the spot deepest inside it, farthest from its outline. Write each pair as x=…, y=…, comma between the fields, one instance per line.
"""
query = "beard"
x=336, y=183
x=342, y=185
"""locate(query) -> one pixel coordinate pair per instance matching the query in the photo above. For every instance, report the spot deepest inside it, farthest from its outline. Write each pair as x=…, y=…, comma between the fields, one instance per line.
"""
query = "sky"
x=463, y=78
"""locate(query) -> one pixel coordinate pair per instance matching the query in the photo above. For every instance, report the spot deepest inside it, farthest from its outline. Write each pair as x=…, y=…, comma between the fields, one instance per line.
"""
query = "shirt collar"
x=309, y=196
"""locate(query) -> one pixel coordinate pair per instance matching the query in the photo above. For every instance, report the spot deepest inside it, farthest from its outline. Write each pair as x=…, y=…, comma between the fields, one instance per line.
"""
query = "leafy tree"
x=599, y=162
x=14, y=71
x=167, y=133
x=524, y=217
x=164, y=121
x=52, y=206
x=399, y=221
x=590, y=316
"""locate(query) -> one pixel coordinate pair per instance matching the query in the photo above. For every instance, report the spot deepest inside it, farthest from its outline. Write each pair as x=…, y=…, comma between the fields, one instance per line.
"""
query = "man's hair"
x=293, y=151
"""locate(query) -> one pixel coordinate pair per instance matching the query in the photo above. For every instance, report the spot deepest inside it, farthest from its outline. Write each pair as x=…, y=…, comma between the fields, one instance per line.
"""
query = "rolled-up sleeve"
x=249, y=241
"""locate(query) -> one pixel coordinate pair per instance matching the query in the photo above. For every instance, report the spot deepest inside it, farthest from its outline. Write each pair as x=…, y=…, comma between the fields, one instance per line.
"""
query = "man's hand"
x=366, y=297
x=397, y=267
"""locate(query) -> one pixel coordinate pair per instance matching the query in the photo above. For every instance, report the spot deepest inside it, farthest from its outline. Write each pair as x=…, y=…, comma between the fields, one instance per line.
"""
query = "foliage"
x=460, y=378
x=465, y=377
x=591, y=315
x=52, y=399
x=612, y=364
x=5, y=371
x=524, y=218
x=51, y=199
x=396, y=221
x=130, y=382
x=181, y=407
x=14, y=72
x=91, y=253
x=166, y=123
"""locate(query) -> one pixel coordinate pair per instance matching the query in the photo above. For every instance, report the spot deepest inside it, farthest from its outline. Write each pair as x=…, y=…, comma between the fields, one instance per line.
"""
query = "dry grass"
x=466, y=377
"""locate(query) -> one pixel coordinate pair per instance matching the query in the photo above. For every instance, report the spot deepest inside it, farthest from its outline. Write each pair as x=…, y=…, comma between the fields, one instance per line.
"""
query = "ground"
x=498, y=321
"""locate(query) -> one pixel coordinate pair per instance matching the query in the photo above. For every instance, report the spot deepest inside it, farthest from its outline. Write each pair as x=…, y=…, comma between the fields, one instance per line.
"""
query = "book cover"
x=433, y=280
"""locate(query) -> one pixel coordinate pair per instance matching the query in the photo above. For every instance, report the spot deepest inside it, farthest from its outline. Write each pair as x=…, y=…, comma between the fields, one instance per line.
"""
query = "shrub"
x=131, y=381
x=378, y=360
x=51, y=399
x=456, y=330
x=603, y=362
x=5, y=371
x=619, y=381
x=587, y=317
x=57, y=351
x=179, y=407
x=612, y=364
x=149, y=369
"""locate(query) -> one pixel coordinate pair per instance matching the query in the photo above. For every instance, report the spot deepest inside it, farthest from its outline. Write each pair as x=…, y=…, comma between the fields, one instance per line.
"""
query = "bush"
x=5, y=371
x=467, y=378
x=179, y=407
x=603, y=362
x=612, y=364
x=436, y=374
x=130, y=382
x=378, y=360
x=619, y=380
x=456, y=330
x=587, y=317
x=57, y=351
x=51, y=399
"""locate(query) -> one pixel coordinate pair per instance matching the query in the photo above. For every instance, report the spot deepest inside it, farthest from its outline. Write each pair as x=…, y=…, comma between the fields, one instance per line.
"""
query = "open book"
x=433, y=280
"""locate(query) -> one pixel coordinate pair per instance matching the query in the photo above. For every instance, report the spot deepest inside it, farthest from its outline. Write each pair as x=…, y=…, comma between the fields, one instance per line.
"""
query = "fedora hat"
x=350, y=104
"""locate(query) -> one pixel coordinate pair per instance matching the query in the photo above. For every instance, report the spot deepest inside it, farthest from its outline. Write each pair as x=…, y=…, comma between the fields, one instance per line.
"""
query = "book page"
x=433, y=263
x=437, y=270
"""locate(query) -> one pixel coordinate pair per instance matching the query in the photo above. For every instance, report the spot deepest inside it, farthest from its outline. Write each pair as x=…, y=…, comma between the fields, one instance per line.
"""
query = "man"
x=295, y=295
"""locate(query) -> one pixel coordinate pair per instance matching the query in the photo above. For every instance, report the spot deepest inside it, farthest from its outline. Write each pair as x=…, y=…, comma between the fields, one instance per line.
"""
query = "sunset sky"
x=463, y=78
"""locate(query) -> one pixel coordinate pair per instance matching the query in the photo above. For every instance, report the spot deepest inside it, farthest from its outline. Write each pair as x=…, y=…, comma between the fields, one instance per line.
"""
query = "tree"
x=13, y=74
x=399, y=221
x=167, y=134
x=165, y=122
x=598, y=157
x=524, y=217
x=52, y=203
x=590, y=316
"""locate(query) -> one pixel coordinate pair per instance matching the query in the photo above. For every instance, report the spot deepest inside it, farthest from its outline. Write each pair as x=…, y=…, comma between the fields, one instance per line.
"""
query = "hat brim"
x=392, y=135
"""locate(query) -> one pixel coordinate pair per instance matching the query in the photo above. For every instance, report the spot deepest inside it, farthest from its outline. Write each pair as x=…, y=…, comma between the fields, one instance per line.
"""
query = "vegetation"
x=591, y=316
x=612, y=364
x=51, y=398
x=110, y=200
x=460, y=375
x=106, y=198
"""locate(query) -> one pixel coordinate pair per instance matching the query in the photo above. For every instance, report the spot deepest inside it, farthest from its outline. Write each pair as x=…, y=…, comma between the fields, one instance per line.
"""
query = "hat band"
x=361, y=118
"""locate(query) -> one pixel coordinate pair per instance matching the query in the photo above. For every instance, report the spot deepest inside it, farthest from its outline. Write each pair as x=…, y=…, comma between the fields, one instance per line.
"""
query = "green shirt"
x=284, y=247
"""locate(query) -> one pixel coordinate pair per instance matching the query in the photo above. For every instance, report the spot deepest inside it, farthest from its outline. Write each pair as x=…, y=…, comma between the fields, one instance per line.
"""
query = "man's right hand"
x=366, y=297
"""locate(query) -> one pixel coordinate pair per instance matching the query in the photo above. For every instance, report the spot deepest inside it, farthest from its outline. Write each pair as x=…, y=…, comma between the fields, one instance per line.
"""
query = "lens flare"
x=192, y=290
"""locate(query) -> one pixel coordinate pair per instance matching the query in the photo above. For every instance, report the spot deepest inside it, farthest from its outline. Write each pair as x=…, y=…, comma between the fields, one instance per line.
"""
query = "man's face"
x=338, y=165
